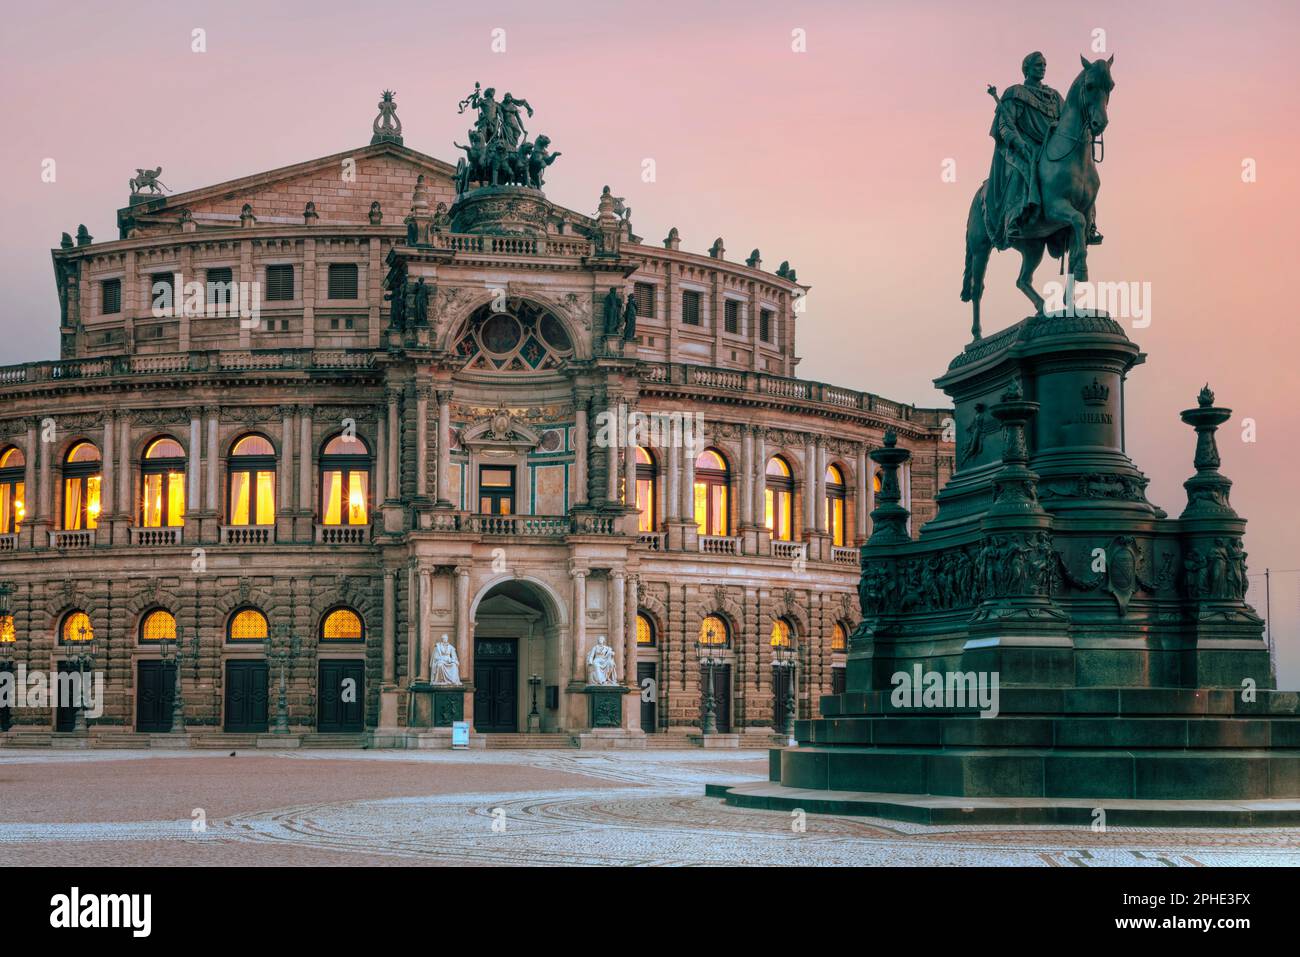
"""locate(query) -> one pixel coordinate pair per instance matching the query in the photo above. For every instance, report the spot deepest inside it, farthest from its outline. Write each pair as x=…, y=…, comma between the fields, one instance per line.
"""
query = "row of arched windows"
x=712, y=490
x=715, y=632
x=245, y=624
x=345, y=464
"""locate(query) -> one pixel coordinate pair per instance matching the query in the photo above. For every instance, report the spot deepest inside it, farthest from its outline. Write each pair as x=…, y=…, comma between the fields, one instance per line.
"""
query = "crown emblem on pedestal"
x=1095, y=394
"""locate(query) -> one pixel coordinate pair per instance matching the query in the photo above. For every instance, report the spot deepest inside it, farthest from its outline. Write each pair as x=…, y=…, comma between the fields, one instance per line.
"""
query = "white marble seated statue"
x=446, y=666
x=601, y=669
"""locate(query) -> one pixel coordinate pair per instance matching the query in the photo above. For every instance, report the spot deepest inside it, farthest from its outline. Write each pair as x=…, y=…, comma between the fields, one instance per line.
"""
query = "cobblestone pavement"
x=323, y=808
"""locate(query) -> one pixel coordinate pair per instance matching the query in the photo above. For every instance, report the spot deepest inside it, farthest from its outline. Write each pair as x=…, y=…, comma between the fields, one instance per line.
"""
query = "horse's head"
x=1093, y=88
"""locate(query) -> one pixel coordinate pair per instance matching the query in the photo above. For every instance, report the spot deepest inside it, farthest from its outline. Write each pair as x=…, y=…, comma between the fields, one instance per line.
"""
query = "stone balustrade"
x=342, y=534
x=68, y=540
x=149, y=537
x=247, y=535
x=719, y=545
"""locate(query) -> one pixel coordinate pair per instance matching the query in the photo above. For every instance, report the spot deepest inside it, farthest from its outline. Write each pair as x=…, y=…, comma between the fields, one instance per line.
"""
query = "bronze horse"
x=1068, y=181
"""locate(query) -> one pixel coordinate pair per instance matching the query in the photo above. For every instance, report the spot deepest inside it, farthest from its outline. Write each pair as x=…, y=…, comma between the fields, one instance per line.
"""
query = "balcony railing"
x=846, y=556
x=83, y=538
x=342, y=534
x=198, y=361
x=790, y=551
x=148, y=537
x=8, y=543
x=719, y=545
x=529, y=526
x=247, y=534
x=652, y=540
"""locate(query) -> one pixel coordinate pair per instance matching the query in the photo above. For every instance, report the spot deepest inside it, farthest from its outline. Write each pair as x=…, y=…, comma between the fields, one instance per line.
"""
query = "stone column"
x=688, y=484
x=465, y=637
x=809, y=487
x=31, y=490
x=819, y=510
x=214, y=416
x=44, y=500
x=760, y=477
x=381, y=462
x=124, y=474
x=390, y=626
x=444, y=448
x=422, y=394
x=285, y=477
x=632, y=711
x=579, y=484
x=674, y=477
x=579, y=629
x=611, y=469
x=194, y=462
x=422, y=628
x=861, y=502
x=394, y=445
x=304, y=458
x=618, y=617
x=106, y=479
x=629, y=468
x=747, y=476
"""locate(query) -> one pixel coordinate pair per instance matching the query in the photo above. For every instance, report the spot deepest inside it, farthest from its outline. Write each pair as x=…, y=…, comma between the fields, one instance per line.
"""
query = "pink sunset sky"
x=831, y=159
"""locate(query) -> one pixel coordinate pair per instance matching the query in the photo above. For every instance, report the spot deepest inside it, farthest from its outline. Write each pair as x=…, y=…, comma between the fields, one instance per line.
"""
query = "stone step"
x=931, y=730
x=550, y=741
x=1185, y=702
x=1244, y=774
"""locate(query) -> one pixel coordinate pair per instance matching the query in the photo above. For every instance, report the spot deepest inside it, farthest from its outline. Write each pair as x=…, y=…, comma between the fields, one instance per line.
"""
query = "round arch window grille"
x=522, y=338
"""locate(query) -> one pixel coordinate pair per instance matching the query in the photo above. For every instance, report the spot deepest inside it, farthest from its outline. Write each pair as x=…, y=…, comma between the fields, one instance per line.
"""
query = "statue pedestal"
x=605, y=706
x=436, y=706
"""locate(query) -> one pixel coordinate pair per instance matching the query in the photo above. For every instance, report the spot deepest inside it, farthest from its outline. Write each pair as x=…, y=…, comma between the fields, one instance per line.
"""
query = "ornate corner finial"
x=309, y=214
x=673, y=239
x=246, y=218
x=755, y=260
x=1206, y=397
x=387, y=128
x=83, y=235
x=65, y=242
x=717, y=250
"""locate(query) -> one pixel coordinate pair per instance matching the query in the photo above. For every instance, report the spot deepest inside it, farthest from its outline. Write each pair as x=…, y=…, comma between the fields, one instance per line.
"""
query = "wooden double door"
x=496, y=685
x=247, y=697
x=155, y=693
x=341, y=695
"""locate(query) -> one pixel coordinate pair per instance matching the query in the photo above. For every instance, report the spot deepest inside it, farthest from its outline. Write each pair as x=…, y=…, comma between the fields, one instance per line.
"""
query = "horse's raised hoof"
x=1081, y=274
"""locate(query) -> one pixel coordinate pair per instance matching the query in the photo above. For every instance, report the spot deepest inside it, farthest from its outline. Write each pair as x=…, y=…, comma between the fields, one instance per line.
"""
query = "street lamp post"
x=283, y=648
x=704, y=650
x=6, y=638
x=534, y=717
x=85, y=658
x=177, y=725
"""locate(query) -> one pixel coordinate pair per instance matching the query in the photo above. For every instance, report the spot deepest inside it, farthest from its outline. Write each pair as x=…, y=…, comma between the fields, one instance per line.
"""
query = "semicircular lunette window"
x=521, y=338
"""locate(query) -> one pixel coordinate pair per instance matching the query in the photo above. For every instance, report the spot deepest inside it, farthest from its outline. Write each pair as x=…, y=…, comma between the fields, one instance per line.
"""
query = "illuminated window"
x=158, y=625
x=645, y=631
x=81, y=484
x=248, y=625
x=7, y=632
x=875, y=483
x=712, y=478
x=252, y=481
x=496, y=489
x=713, y=631
x=778, y=499
x=345, y=481
x=342, y=624
x=12, y=489
x=646, y=474
x=780, y=634
x=839, y=639
x=76, y=627
x=835, y=504
x=163, y=484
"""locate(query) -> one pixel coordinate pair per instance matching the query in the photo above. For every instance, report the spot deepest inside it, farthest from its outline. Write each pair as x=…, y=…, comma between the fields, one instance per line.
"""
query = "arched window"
x=76, y=627
x=780, y=637
x=345, y=481
x=7, y=632
x=713, y=631
x=81, y=482
x=839, y=638
x=645, y=632
x=779, y=499
x=248, y=624
x=252, y=481
x=12, y=489
x=711, y=480
x=646, y=473
x=342, y=624
x=835, y=504
x=163, y=484
x=158, y=625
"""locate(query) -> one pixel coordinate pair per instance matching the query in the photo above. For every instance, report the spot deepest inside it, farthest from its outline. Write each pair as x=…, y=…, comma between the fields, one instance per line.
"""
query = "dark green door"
x=341, y=694
x=722, y=697
x=6, y=718
x=65, y=715
x=155, y=691
x=648, y=688
x=246, y=696
x=780, y=690
x=496, y=674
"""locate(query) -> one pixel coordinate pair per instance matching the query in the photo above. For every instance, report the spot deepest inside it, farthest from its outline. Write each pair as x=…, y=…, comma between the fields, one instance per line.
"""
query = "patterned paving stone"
x=552, y=808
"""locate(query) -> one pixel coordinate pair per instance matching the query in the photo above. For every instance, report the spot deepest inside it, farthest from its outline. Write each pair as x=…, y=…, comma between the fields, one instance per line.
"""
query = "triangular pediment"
x=342, y=186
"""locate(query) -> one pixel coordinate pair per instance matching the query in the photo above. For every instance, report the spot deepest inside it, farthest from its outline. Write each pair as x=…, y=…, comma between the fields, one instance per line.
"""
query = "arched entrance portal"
x=515, y=636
